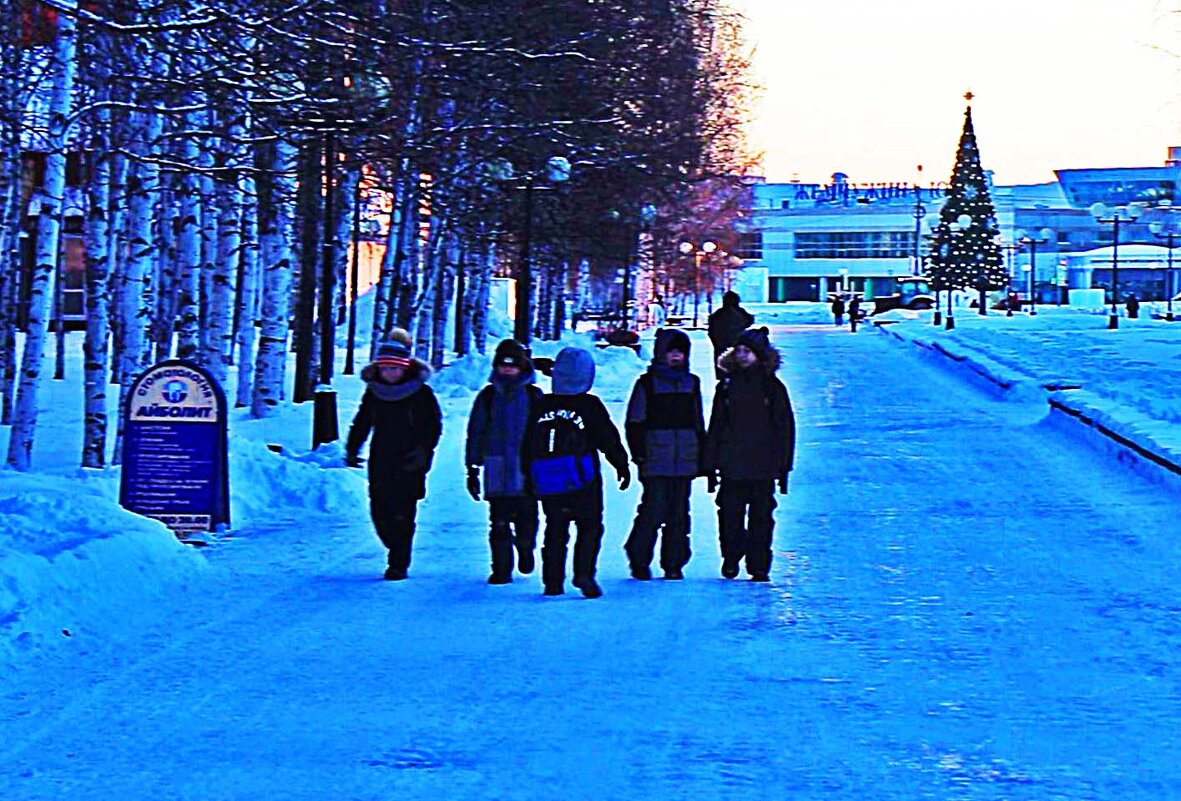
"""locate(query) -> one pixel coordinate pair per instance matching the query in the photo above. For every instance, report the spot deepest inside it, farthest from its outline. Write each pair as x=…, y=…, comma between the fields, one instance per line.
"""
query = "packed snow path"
x=964, y=605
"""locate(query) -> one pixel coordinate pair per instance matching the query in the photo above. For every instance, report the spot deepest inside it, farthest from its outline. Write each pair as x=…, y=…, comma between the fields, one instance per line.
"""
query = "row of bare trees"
x=233, y=154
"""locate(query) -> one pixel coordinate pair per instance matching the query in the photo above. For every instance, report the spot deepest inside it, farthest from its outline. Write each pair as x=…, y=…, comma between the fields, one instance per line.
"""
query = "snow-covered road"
x=964, y=605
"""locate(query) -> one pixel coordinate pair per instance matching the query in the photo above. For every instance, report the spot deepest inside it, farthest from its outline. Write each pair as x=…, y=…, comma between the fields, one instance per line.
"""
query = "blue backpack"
x=563, y=459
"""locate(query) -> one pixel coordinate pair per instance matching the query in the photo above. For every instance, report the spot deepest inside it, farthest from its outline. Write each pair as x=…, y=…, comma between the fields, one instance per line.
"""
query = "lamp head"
x=708, y=247
x=965, y=220
x=557, y=169
x=1099, y=210
x=685, y=247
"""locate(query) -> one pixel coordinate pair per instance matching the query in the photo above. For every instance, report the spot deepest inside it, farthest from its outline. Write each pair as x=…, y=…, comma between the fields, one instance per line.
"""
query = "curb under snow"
x=1151, y=447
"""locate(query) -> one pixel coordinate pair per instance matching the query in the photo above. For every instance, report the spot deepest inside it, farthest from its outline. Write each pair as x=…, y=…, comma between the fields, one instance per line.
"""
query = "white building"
x=806, y=240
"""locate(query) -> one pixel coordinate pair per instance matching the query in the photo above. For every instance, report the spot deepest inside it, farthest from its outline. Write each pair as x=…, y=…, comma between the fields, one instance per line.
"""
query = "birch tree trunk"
x=142, y=187
x=276, y=188
x=219, y=325
x=480, y=295
x=166, y=279
x=247, y=312
x=187, y=193
x=95, y=353
x=382, y=300
x=61, y=88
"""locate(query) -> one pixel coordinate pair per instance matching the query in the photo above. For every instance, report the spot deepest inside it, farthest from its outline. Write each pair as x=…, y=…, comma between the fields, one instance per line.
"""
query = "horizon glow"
x=874, y=89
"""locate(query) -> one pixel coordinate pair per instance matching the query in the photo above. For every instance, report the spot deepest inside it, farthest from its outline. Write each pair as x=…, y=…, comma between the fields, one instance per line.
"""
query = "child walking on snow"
x=666, y=436
x=495, y=431
x=404, y=417
x=750, y=445
x=566, y=431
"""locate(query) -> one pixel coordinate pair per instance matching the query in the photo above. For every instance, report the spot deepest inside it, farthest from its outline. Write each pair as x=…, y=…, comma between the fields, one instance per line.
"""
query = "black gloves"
x=473, y=482
x=353, y=460
x=711, y=481
x=625, y=478
x=783, y=483
x=416, y=460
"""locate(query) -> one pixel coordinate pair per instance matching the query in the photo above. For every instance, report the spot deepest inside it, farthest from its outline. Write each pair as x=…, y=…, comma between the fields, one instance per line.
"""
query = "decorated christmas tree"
x=965, y=253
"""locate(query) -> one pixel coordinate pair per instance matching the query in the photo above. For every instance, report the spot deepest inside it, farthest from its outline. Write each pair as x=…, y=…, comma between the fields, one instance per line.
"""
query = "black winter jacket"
x=752, y=428
x=405, y=434
x=726, y=324
x=589, y=415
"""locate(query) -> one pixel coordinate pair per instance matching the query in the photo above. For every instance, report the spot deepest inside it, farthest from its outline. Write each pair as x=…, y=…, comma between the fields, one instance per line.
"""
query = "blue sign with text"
x=175, y=461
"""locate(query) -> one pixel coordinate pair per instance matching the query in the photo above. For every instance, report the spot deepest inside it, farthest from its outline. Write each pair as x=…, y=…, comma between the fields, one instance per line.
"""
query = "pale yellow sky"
x=874, y=87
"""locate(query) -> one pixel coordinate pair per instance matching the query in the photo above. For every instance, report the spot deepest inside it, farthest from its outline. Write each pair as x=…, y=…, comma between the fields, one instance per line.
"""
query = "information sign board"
x=175, y=466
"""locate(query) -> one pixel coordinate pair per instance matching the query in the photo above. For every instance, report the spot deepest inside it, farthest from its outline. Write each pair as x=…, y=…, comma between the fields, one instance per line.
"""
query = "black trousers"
x=745, y=521
x=663, y=504
x=585, y=510
x=513, y=521
x=393, y=514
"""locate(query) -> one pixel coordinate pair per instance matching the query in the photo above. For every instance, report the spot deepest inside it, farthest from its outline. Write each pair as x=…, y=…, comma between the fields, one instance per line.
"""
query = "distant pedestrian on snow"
x=1133, y=306
x=838, y=311
x=404, y=417
x=750, y=447
x=666, y=436
x=495, y=432
x=657, y=314
x=567, y=430
x=727, y=323
x=854, y=312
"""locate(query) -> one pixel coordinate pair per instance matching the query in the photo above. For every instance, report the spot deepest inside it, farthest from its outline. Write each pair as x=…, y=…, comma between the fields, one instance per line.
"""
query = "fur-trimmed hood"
x=728, y=362
x=417, y=369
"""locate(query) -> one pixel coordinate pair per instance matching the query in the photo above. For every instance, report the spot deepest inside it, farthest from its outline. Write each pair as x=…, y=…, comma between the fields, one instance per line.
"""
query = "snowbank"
x=73, y=563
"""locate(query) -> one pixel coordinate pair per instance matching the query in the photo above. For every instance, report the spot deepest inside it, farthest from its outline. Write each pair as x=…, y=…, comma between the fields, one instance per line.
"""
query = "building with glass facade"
x=804, y=241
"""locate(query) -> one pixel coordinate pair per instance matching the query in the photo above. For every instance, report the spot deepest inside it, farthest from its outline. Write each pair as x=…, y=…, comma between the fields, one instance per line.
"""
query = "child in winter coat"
x=666, y=436
x=404, y=416
x=750, y=445
x=495, y=431
x=567, y=429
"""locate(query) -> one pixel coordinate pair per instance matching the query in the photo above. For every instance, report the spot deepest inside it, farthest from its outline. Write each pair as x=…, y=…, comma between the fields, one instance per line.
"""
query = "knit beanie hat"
x=395, y=351
x=757, y=340
x=671, y=339
x=512, y=352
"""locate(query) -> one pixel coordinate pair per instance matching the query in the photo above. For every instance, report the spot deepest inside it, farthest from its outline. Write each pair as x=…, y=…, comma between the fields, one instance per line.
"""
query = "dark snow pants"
x=664, y=503
x=393, y=514
x=745, y=522
x=513, y=522
x=585, y=510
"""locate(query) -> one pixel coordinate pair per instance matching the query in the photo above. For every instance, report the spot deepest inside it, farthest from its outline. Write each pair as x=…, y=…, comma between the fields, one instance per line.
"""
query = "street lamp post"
x=644, y=218
x=958, y=224
x=1168, y=234
x=706, y=248
x=920, y=211
x=1126, y=214
x=933, y=225
x=557, y=170
x=1033, y=240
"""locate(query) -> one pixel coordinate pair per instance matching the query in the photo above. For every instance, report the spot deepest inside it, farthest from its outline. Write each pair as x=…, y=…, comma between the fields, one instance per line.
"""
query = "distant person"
x=1133, y=306
x=750, y=447
x=495, y=431
x=726, y=324
x=854, y=312
x=657, y=314
x=665, y=431
x=401, y=411
x=567, y=430
x=838, y=311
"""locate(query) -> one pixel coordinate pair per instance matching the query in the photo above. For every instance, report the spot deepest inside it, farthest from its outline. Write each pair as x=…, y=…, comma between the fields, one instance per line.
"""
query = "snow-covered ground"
x=965, y=604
